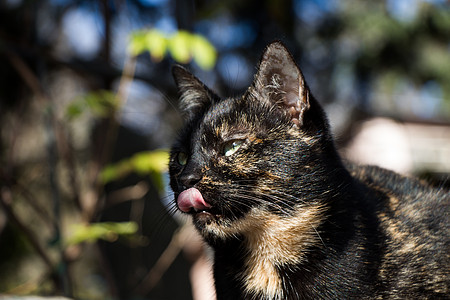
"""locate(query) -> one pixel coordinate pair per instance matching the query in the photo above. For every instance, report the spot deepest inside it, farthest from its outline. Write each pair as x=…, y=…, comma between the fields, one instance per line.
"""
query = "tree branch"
x=6, y=201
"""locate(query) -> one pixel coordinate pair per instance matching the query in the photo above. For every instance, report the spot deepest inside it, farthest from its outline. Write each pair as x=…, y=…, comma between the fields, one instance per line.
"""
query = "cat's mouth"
x=191, y=201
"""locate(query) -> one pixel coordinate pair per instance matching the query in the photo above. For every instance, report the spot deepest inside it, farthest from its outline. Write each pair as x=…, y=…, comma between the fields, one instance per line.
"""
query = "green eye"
x=182, y=158
x=231, y=147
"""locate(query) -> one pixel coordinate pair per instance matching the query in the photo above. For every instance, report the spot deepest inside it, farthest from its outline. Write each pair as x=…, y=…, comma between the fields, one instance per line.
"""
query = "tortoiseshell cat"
x=267, y=190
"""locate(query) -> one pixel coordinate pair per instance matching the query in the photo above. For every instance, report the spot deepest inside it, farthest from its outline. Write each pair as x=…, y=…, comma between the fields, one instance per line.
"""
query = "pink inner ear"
x=280, y=81
x=292, y=101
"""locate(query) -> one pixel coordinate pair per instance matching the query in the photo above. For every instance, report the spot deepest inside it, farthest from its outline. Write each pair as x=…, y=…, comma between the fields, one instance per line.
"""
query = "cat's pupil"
x=231, y=147
x=182, y=158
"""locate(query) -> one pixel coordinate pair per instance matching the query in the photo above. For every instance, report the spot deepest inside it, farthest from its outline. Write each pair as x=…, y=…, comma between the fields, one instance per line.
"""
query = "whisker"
x=280, y=201
x=267, y=202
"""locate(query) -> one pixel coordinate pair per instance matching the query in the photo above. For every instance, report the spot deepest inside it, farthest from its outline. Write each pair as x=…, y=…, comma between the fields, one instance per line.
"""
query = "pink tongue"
x=191, y=198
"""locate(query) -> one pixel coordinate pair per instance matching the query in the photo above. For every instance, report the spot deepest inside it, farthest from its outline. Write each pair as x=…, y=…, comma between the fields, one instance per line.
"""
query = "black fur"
x=367, y=232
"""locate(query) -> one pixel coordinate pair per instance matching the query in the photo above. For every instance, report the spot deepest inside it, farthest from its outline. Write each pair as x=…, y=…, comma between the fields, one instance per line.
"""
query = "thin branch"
x=128, y=193
x=111, y=134
x=27, y=74
x=67, y=152
x=52, y=157
x=33, y=203
x=166, y=259
x=52, y=128
x=6, y=201
x=29, y=287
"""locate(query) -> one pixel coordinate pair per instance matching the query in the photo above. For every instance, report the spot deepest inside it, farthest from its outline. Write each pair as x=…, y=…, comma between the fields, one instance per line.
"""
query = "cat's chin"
x=204, y=218
x=214, y=227
x=208, y=224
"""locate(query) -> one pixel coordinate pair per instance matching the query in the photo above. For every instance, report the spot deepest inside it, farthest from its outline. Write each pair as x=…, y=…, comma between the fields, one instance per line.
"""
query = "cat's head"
x=261, y=154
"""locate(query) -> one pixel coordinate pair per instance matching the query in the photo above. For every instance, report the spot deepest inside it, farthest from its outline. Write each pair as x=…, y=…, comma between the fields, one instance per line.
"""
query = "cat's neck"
x=268, y=243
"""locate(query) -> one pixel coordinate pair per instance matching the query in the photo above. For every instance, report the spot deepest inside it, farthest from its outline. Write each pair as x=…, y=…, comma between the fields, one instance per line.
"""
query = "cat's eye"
x=182, y=158
x=231, y=147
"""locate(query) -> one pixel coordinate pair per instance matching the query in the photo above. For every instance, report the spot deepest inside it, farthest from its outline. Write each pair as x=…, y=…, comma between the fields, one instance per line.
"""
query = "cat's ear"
x=194, y=95
x=280, y=81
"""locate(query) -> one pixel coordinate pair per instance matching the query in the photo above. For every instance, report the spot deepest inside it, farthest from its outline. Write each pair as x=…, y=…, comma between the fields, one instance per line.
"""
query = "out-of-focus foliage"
x=100, y=103
x=182, y=46
x=415, y=50
x=152, y=163
x=107, y=231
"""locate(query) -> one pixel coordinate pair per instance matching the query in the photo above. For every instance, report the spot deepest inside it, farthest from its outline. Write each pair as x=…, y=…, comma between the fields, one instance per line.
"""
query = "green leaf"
x=115, y=171
x=180, y=46
x=183, y=46
x=156, y=44
x=75, y=109
x=138, y=42
x=100, y=103
x=143, y=163
x=205, y=54
x=152, y=41
x=108, y=231
x=151, y=161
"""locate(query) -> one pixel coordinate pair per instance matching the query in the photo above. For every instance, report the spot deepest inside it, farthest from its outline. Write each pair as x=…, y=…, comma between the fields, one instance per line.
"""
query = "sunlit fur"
x=288, y=220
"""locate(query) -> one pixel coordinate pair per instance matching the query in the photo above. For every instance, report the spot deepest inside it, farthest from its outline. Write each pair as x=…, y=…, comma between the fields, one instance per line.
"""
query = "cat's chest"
x=271, y=243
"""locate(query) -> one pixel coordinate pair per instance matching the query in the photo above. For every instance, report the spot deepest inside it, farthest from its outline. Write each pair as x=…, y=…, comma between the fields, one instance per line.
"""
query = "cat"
x=285, y=216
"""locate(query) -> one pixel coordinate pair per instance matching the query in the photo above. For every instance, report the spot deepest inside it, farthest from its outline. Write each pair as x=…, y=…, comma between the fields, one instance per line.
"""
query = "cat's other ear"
x=280, y=81
x=194, y=95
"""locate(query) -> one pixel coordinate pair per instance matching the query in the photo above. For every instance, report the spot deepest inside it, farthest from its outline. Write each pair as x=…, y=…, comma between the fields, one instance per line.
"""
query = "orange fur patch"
x=272, y=241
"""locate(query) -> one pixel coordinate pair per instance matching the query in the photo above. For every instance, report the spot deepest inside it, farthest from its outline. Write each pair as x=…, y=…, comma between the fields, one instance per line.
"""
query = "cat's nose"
x=189, y=180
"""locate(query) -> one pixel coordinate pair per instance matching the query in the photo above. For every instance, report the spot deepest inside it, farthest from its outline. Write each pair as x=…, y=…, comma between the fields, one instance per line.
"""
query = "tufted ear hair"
x=279, y=81
x=194, y=95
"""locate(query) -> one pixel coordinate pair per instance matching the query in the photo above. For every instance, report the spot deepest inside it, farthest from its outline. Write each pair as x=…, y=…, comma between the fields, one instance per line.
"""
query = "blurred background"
x=88, y=109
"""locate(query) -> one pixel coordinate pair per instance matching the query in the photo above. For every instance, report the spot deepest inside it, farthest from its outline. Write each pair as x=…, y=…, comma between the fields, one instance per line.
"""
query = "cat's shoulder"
x=395, y=184
x=413, y=218
x=404, y=197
